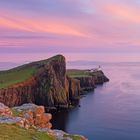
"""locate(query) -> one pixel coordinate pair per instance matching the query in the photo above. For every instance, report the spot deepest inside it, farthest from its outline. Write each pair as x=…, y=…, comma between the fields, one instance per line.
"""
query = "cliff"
x=87, y=79
x=74, y=88
x=43, y=83
x=46, y=83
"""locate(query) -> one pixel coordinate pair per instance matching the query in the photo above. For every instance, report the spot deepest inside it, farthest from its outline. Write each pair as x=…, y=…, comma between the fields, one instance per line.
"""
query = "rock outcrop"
x=4, y=110
x=26, y=116
x=100, y=77
x=34, y=115
x=29, y=116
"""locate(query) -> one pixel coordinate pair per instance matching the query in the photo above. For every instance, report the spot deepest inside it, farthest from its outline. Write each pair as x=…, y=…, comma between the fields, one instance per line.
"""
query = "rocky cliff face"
x=48, y=87
x=51, y=84
x=74, y=88
x=88, y=83
x=18, y=94
x=100, y=77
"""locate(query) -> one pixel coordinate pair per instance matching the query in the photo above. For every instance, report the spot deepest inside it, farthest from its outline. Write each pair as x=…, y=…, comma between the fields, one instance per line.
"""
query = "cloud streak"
x=64, y=26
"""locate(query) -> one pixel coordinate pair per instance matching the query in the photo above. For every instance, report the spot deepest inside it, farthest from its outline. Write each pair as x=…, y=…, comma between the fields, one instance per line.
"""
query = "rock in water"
x=35, y=115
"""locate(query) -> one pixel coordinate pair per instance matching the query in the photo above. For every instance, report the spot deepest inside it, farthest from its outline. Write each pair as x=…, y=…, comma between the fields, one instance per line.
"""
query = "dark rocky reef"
x=49, y=85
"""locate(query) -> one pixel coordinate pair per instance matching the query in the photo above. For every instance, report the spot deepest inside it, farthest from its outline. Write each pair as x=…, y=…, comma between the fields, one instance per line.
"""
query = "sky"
x=98, y=30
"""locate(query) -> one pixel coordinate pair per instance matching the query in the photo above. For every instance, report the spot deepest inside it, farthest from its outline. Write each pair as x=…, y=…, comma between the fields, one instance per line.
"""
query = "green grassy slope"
x=78, y=73
x=75, y=73
x=24, y=72
x=12, y=132
x=15, y=76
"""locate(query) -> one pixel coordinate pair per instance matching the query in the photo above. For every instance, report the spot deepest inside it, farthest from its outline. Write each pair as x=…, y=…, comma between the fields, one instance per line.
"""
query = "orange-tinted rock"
x=35, y=115
x=47, y=87
x=4, y=110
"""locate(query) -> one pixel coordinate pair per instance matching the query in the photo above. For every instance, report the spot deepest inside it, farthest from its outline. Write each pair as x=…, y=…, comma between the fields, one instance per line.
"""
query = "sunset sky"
x=98, y=30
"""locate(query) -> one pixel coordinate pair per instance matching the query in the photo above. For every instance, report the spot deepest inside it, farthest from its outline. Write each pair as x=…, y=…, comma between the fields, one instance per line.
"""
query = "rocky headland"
x=28, y=91
x=46, y=83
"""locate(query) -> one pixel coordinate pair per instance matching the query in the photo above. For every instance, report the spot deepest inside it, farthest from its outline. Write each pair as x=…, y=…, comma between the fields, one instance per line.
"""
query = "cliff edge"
x=43, y=83
x=46, y=83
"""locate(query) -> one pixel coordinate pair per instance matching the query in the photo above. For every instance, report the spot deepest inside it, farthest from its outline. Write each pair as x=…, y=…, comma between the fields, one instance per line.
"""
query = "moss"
x=12, y=132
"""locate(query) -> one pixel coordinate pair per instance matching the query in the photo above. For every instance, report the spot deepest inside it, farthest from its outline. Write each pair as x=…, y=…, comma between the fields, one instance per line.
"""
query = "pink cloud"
x=123, y=12
x=39, y=25
x=98, y=25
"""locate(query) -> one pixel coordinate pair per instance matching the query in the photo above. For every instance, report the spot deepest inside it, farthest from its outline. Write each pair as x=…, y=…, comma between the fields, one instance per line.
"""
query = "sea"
x=111, y=111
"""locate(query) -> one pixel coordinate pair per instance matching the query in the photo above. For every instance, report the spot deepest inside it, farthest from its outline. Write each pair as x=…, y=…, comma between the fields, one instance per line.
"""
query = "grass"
x=24, y=72
x=78, y=73
x=75, y=73
x=15, y=76
x=12, y=132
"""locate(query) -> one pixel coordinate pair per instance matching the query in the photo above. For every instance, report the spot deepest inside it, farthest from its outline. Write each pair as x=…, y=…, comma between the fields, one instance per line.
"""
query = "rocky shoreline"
x=49, y=87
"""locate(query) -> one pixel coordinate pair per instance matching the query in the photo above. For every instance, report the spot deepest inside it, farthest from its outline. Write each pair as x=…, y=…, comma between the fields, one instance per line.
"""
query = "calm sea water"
x=111, y=112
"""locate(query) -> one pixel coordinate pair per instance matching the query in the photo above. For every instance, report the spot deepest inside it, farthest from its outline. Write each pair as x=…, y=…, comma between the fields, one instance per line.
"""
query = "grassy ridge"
x=8, y=78
x=12, y=132
x=24, y=72
x=75, y=73
x=78, y=73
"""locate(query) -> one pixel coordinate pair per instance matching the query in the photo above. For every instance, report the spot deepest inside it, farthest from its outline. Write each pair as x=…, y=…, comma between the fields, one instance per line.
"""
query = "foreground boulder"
x=4, y=110
x=27, y=115
x=34, y=115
